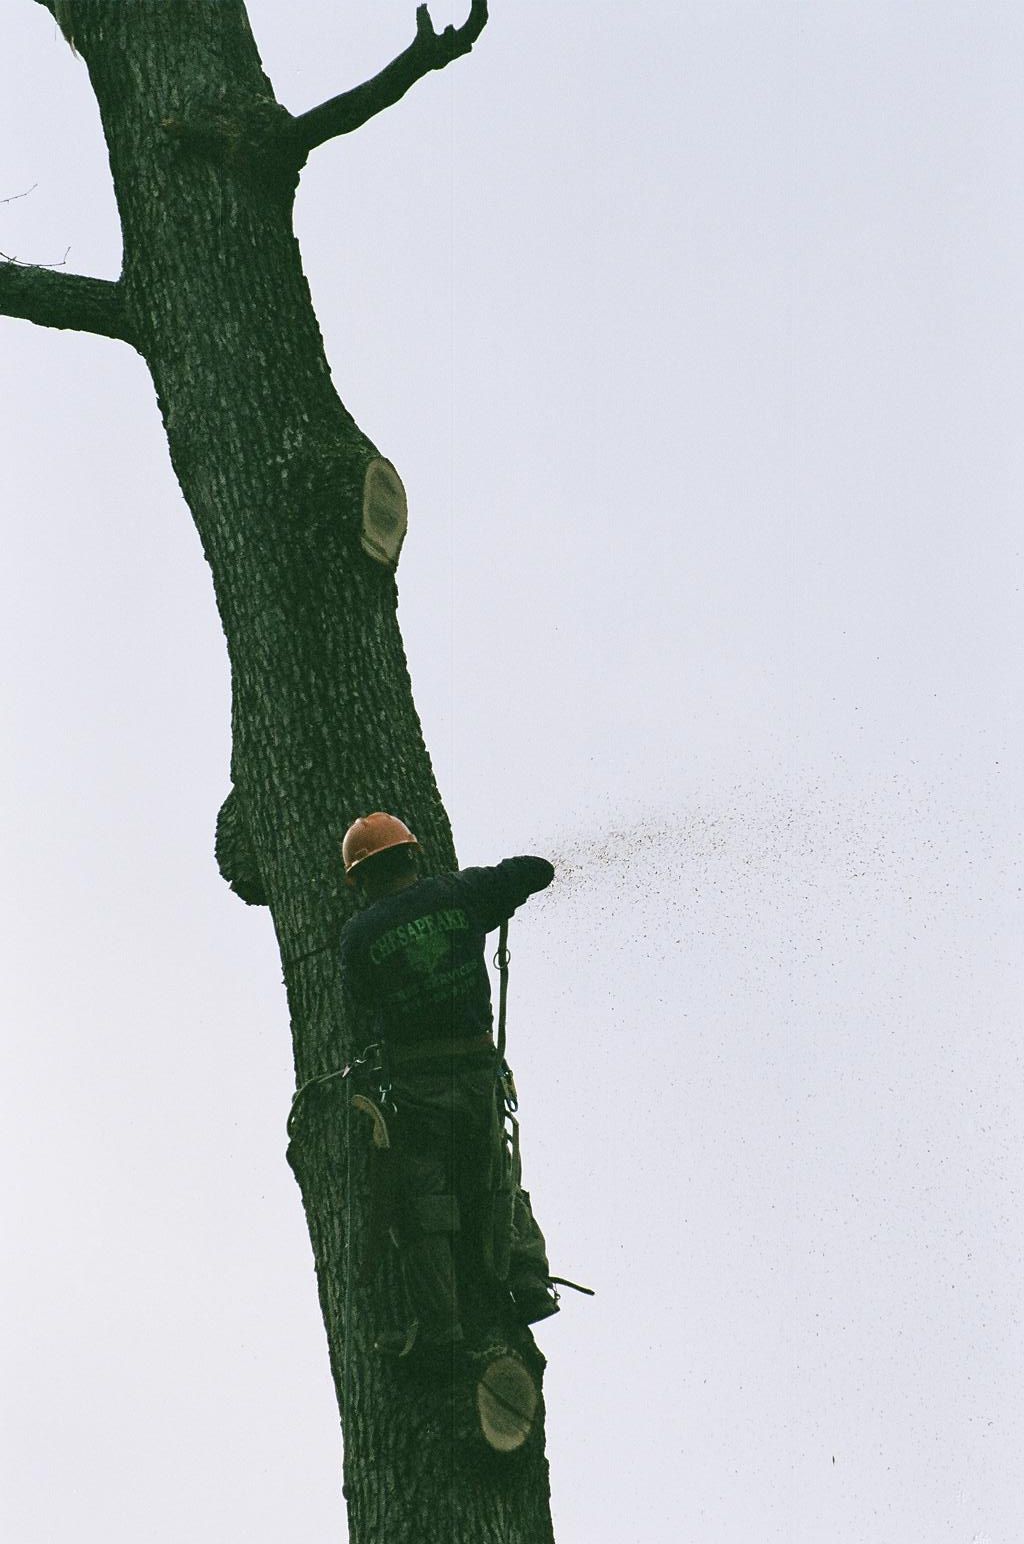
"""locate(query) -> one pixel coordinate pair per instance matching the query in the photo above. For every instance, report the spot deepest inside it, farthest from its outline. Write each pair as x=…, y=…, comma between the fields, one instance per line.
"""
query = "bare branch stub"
x=68, y=300
x=429, y=50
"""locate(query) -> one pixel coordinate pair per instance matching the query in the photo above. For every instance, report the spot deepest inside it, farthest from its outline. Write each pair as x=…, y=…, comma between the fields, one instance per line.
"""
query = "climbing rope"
x=323, y=1077
x=371, y=1056
x=346, y=1366
x=501, y=961
x=308, y=954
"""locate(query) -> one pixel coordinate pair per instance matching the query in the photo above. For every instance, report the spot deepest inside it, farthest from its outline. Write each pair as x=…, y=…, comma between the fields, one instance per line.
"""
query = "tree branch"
x=62, y=300
x=428, y=51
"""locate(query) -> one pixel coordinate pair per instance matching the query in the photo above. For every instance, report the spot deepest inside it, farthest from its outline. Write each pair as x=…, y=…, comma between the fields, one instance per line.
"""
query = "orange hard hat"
x=371, y=834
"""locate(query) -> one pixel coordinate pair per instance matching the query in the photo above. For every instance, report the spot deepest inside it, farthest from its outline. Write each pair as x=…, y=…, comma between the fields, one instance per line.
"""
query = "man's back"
x=418, y=955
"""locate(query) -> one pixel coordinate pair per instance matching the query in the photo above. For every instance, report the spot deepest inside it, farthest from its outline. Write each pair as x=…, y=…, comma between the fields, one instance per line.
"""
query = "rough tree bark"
x=205, y=163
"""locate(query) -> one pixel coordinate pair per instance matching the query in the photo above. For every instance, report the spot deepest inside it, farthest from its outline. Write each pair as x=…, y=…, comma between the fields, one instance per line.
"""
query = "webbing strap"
x=501, y=960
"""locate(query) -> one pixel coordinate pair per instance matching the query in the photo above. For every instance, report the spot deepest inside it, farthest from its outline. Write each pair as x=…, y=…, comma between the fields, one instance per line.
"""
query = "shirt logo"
x=425, y=954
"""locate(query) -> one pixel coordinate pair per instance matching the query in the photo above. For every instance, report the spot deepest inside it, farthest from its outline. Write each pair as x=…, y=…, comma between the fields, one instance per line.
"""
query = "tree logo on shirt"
x=425, y=954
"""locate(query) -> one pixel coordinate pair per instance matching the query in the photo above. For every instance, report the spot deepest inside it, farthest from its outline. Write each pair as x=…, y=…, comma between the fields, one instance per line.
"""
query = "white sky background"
x=695, y=332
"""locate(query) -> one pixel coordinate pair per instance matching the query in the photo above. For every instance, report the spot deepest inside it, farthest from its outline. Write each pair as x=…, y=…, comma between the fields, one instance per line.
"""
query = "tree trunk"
x=205, y=164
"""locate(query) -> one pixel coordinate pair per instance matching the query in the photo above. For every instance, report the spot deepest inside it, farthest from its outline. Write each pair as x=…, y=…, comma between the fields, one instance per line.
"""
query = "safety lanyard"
x=501, y=960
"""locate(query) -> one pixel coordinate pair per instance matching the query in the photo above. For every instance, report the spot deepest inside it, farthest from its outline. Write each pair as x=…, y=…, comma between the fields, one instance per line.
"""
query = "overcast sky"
x=695, y=332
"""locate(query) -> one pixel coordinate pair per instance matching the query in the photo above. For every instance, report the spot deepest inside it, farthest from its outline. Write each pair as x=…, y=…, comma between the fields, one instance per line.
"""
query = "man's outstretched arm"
x=497, y=891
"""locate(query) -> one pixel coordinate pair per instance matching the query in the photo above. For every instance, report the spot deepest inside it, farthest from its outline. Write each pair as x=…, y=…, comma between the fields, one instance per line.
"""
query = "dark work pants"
x=448, y=1152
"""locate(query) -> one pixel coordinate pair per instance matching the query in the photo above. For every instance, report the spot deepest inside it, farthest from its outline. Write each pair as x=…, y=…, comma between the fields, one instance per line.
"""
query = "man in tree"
x=415, y=958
